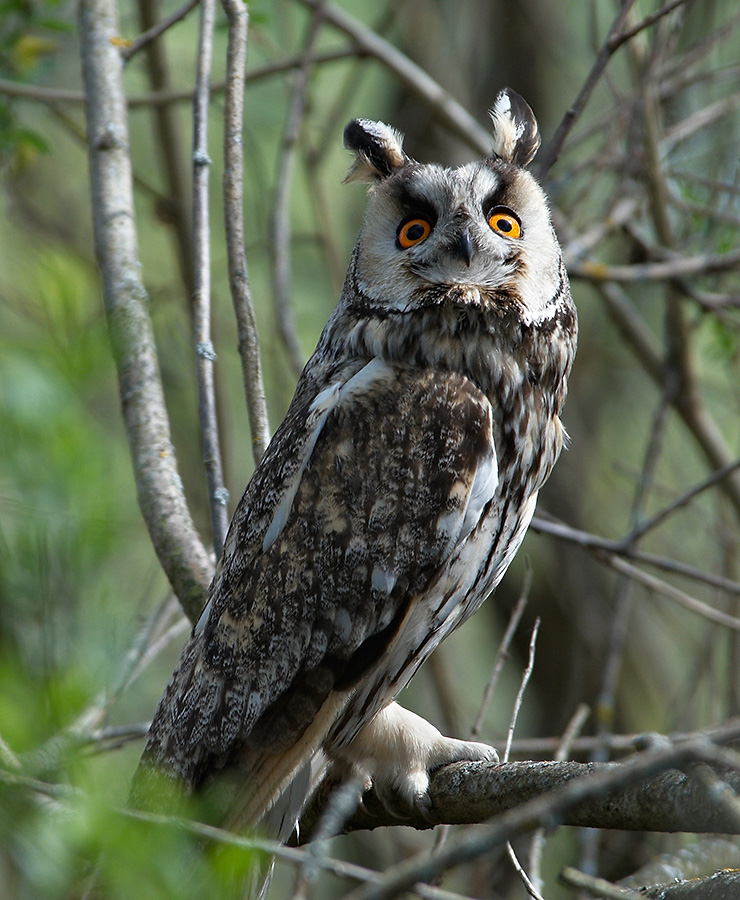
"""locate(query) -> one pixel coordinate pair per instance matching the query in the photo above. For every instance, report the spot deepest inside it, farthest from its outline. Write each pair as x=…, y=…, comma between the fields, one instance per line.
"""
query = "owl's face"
x=483, y=228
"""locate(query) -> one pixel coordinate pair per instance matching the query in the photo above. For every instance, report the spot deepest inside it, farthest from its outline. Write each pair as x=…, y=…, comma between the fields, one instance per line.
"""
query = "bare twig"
x=169, y=146
x=158, y=483
x=205, y=354
x=527, y=674
x=36, y=93
x=343, y=801
x=281, y=230
x=537, y=847
x=503, y=653
x=154, y=31
x=293, y=855
x=650, y=524
x=619, y=548
x=617, y=40
x=149, y=641
x=246, y=323
x=526, y=748
x=677, y=267
x=33, y=92
x=549, y=156
x=449, y=112
x=597, y=887
x=667, y=590
x=529, y=885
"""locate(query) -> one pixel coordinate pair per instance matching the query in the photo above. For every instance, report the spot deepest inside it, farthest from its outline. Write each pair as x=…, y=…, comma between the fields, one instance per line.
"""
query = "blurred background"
x=647, y=178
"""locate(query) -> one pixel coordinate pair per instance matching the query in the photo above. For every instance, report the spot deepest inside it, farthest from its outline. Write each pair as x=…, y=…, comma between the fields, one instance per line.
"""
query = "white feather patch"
x=507, y=132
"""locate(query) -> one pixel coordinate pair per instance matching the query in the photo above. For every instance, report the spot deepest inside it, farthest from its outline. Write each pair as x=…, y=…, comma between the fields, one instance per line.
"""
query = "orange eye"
x=505, y=222
x=412, y=232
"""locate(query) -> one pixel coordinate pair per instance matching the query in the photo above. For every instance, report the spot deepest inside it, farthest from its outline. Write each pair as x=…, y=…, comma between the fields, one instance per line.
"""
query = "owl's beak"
x=464, y=246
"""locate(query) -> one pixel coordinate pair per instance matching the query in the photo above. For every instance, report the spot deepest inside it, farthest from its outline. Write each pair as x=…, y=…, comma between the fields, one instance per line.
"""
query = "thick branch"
x=472, y=792
x=158, y=484
x=555, y=806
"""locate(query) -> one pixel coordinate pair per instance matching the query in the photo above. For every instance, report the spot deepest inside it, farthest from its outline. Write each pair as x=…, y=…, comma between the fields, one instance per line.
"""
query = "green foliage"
x=25, y=44
x=55, y=846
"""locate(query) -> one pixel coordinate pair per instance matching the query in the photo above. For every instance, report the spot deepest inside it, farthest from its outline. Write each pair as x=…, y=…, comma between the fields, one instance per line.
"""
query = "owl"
x=392, y=498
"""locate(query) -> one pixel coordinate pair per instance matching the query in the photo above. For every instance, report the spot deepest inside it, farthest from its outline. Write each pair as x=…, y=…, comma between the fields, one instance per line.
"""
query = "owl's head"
x=477, y=235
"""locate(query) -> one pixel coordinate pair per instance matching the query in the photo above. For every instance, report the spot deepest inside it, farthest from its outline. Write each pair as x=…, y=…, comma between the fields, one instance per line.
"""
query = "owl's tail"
x=280, y=821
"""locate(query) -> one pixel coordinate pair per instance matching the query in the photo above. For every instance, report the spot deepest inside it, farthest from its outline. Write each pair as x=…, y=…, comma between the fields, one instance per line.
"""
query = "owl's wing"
x=390, y=472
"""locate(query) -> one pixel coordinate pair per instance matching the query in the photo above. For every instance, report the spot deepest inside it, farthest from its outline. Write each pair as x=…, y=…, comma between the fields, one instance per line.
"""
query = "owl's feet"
x=395, y=753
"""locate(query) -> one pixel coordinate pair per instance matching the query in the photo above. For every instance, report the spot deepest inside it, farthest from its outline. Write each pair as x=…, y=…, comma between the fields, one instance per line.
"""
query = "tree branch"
x=445, y=107
x=169, y=144
x=156, y=29
x=205, y=354
x=472, y=792
x=158, y=484
x=246, y=322
x=572, y=800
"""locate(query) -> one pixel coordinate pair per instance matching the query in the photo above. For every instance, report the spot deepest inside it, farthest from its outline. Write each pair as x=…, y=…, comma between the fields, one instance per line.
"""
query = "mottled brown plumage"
x=393, y=496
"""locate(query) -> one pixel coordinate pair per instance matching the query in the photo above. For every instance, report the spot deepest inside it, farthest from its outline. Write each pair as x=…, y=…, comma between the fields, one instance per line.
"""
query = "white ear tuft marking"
x=378, y=150
x=516, y=135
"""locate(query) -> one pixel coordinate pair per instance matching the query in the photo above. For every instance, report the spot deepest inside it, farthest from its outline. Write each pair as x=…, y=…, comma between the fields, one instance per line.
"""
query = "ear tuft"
x=516, y=135
x=378, y=150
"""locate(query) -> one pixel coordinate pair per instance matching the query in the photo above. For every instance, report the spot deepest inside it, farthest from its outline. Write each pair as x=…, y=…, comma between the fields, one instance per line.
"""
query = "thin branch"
x=650, y=524
x=281, y=230
x=204, y=351
x=529, y=885
x=343, y=801
x=597, y=887
x=527, y=674
x=617, y=40
x=111, y=736
x=154, y=31
x=40, y=94
x=702, y=119
x=32, y=92
x=148, y=642
x=159, y=487
x=293, y=855
x=169, y=147
x=549, y=156
x=667, y=590
x=503, y=653
x=233, y=183
x=537, y=848
x=677, y=267
x=593, y=542
x=444, y=107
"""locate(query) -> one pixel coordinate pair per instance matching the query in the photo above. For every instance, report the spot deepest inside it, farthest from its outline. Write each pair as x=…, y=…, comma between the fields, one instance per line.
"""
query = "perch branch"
x=647, y=775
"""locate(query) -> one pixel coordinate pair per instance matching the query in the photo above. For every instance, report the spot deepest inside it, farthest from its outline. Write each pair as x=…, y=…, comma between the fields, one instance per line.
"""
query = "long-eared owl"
x=393, y=496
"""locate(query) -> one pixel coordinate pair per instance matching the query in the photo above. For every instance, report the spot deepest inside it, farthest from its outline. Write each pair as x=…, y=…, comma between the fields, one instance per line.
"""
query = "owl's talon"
x=396, y=752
